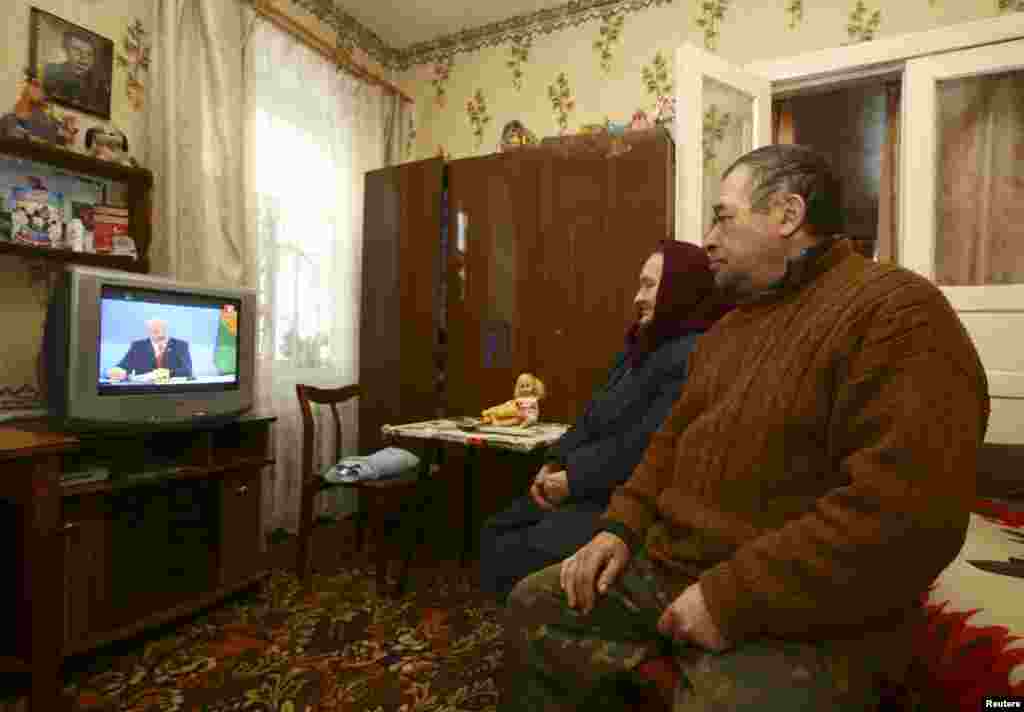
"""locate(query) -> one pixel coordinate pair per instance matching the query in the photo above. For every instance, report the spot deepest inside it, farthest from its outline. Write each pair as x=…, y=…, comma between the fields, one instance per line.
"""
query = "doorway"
x=856, y=126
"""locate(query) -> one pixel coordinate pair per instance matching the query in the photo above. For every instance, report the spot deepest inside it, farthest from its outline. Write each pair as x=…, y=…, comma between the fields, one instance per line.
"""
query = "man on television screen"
x=158, y=355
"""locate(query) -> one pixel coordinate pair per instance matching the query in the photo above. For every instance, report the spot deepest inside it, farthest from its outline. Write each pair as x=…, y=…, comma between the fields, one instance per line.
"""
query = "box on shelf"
x=37, y=218
x=111, y=211
x=104, y=234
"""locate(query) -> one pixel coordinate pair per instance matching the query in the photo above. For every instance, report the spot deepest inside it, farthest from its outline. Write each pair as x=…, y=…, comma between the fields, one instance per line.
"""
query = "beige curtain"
x=398, y=117
x=315, y=132
x=197, y=143
x=981, y=181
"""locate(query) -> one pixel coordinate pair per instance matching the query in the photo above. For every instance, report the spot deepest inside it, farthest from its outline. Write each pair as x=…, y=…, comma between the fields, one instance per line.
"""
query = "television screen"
x=155, y=341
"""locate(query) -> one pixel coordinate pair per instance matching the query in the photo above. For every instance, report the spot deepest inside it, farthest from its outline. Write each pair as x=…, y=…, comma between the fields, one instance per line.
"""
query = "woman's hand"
x=593, y=569
x=536, y=492
x=550, y=488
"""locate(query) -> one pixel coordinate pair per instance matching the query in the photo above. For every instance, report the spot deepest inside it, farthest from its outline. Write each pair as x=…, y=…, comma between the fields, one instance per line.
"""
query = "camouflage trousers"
x=558, y=659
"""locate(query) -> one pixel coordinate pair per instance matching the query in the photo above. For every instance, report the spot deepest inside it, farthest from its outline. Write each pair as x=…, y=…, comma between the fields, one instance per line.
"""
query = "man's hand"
x=606, y=555
x=117, y=374
x=550, y=487
x=687, y=619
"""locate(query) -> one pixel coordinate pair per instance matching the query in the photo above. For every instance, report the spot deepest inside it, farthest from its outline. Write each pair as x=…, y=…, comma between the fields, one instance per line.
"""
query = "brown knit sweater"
x=818, y=471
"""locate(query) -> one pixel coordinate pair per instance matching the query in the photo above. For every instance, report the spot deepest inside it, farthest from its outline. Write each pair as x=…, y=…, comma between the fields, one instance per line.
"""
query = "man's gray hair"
x=792, y=168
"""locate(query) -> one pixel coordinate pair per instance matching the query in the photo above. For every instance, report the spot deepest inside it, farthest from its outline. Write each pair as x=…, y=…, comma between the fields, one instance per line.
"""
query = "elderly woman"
x=675, y=303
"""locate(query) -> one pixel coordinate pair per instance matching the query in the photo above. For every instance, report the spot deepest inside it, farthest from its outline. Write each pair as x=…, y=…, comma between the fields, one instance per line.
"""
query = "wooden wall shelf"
x=57, y=255
x=138, y=183
x=72, y=161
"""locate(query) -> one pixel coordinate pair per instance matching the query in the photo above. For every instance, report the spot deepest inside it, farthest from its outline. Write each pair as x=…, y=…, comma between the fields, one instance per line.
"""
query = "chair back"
x=320, y=396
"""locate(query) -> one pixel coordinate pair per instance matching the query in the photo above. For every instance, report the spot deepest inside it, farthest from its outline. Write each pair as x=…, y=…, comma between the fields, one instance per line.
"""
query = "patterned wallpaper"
x=592, y=61
x=23, y=290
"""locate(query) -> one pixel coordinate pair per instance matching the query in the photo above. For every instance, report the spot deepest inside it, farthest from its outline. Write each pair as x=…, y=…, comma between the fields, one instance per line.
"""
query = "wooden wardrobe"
x=482, y=268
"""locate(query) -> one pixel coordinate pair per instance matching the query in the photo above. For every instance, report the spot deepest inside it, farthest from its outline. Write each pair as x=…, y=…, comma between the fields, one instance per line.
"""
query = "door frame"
x=882, y=56
x=694, y=65
x=818, y=70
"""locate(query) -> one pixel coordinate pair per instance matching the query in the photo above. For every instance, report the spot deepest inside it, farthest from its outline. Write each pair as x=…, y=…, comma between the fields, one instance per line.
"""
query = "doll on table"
x=524, y=409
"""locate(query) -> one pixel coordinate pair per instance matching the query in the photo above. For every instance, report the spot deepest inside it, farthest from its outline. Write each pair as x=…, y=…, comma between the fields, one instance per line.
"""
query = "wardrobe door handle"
x=242, y=490
x=71, y=526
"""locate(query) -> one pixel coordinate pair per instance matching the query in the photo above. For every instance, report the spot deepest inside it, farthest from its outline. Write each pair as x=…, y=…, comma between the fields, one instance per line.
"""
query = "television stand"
x=171, y=526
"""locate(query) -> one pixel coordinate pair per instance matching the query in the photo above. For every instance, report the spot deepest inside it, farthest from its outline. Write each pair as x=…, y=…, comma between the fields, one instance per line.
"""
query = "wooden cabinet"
x=554, y=240
x=493, y=265
x=175, y=528
x=86, y=531
x=542, y=249
x=239, y=551
x=601, y=216
x=398, y=331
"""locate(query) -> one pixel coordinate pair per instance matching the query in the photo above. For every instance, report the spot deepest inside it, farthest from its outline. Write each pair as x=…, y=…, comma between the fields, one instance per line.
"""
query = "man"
x=77, y=79
x=158, y=351
x=811, y=482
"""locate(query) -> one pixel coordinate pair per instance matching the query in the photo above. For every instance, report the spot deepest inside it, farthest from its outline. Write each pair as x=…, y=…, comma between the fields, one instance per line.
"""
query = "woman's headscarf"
x=687, y=301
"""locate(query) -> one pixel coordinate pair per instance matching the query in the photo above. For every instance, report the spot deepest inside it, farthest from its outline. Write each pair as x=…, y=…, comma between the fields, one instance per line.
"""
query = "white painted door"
x=722, y=112
x=963, y=119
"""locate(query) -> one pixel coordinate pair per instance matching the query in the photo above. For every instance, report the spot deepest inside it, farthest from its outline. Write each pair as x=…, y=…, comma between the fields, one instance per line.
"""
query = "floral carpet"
x=338, y=646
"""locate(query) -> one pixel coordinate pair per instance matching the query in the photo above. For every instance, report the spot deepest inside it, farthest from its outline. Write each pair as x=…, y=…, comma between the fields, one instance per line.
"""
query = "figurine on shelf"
x=108, y=144
x=516, y=135
x=615, y=128
x=640, y=121
x=524, y=409
x=30, y=118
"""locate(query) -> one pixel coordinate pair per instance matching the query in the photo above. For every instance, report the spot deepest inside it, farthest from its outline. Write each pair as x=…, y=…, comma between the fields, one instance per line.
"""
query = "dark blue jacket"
x=609, y=439
x=141, y=358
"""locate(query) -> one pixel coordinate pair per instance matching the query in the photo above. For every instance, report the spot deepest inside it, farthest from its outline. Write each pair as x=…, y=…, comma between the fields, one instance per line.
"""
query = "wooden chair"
x=377, y=499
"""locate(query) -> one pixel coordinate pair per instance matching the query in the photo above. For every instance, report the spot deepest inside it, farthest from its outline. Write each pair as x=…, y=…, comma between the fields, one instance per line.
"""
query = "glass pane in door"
x=979, y=207
x=728, y=126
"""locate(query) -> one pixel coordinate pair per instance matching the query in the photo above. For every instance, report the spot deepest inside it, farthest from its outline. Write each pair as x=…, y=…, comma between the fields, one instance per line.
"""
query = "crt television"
x=125, y=348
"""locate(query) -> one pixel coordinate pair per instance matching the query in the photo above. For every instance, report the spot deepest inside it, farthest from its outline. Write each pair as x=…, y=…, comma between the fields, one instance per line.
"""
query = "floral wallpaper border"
x=542, y=22
x=350, y=31
x=520, y=30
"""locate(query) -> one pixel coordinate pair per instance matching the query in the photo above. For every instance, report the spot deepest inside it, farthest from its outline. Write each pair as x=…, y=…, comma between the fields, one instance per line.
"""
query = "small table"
x=438, y=432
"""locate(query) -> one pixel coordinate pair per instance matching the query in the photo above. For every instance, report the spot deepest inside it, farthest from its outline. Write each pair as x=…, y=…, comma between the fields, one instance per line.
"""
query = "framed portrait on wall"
x=76, y=66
